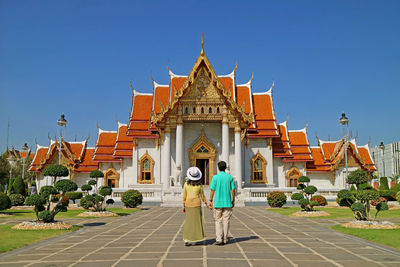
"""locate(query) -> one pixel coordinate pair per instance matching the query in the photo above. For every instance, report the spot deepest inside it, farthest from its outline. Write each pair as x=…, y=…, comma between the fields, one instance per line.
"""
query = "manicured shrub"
x=381, y=207
x=65, y=186
x=110, y=201
x=361, y=200
x=86, y=188
x=17, y=199
x=55, y=171
x=19, y=186
x=10, y=188
x=87, y=202
x=304, y=179
x=396, y=188
x=46, y=216
x=353, y=188
x=320, y=199
x=92, y=182
x=96, y=174
x=47, y=190
x=1, y=188
x=74, y=195
x=132, y=198
x=358, y=177
x=5, y=202
x=306, y=193
x=383, y=183
x=38, y=201
x=105, y=191
x=276, y=199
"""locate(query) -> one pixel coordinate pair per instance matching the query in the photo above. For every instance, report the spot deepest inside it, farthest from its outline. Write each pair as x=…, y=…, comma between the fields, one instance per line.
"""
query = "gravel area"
x=316, y=213
x=97, y=214
x=33, y=225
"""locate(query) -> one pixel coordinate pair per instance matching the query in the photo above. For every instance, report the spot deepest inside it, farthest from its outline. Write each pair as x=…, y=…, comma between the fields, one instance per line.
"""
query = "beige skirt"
x=193, y=230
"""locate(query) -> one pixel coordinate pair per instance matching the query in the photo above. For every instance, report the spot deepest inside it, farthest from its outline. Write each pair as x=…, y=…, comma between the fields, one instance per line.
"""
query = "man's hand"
x=184, y=210
x=233, y=203
x=210, y=206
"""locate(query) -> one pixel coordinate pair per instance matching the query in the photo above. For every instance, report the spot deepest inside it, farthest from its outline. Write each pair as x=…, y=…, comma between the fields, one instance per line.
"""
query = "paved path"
x=153, y=237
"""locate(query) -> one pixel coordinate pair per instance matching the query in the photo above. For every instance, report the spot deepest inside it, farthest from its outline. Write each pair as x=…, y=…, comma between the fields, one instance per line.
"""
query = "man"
x=222, y=199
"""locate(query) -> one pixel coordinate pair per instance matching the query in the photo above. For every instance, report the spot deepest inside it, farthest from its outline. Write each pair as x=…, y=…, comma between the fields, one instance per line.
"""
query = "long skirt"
x=193, y=230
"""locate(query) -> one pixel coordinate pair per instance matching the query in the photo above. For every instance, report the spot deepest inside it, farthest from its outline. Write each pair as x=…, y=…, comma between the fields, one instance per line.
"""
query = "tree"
x=55, y=170
x=96, y=174
x=360, y=200
x=5, y=202
x=4, y=169
x=305, y=195
x=19, y=186
x=95, y=201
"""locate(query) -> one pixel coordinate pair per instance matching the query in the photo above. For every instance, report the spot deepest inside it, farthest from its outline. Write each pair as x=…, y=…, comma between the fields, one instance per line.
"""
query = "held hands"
x=210, y=205
x=183, y=209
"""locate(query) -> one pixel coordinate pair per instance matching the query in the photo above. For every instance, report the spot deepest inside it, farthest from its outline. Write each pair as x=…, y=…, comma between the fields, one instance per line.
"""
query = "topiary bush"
x=320, y=199
x=92, y=182
x=74, y=195
x=383, y=183
x=55, y=171
x=86, y=188
x=65, y=186
x=396, y=188
x=37, y=201
x=306, y=193
x=389, y=195
x=132, y=198
x=19, y=186
x=46, y=216
x=10, y=188
x=360, y=201
x=110, y=201
x=96, y=174
x=17, y=199
x=5, y=202
x=87, y=202
x=276, y=199
x=95, y=201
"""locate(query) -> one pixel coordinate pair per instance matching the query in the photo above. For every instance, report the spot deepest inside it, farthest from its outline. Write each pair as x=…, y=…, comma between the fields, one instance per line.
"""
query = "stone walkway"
x=153, y=237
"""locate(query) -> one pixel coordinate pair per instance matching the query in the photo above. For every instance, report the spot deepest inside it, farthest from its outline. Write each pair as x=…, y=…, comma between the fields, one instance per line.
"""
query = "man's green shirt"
x=222, y=184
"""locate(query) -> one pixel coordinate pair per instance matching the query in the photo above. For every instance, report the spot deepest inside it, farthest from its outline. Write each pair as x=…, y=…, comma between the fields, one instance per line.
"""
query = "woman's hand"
x=210, y=206
x=184, y=210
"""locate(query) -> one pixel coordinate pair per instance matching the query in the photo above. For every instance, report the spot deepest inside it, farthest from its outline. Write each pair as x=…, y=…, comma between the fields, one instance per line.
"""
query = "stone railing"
x=260, y=194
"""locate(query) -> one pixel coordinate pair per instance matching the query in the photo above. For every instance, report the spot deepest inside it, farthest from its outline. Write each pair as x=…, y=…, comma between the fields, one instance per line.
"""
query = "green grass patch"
x=336, y=213
x=11, y=239
x=71, y=213
x=388, y=237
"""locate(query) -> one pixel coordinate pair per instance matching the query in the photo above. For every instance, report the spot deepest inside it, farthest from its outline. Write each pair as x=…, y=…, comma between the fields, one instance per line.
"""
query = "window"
x=111, y=178
x=186, y=110
x=202, y=110
x=202, y=149
x=217, y=109
x=209, y=110
x=194, y=110
x=292, y=177
x=258, y=169
x=146, y=169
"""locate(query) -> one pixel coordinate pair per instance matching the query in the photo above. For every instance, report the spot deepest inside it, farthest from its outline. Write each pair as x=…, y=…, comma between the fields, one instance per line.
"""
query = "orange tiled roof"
x=161, y=94
x=319, y=164
x=87, y=164
x=366, y=156
x=124, y=144
x=39, y=157
x=265, y=122
x=105, y=146
x=139, y=121
x=227, y=82
x=281, y=146
x=243, y=97
x=300, y=146
x=176, y=85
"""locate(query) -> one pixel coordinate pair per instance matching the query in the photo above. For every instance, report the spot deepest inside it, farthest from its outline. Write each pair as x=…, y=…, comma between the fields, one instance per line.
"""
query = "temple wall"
x=258, y=145
x=322, y=180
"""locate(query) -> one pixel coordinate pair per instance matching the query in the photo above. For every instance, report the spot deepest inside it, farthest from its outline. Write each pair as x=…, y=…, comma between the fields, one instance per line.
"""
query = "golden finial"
x=252, y=76
x=151, y=77
x=202, y=43
x=236, y=64
x=306, y=126
x=97, y=125
x=287, y=118
x=168, y=67
x=133, y=89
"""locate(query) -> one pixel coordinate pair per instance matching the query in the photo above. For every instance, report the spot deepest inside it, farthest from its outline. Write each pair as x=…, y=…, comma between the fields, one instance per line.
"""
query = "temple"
x=198, y=120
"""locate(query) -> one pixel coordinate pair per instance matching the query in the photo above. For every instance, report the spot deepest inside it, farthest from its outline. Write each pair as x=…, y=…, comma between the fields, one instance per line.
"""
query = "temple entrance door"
x=203, y=165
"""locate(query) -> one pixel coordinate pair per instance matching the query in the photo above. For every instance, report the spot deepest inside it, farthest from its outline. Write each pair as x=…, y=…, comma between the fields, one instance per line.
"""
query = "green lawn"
x=388, y=237
x=30, y=214
x=11, y=239
x=336, y=213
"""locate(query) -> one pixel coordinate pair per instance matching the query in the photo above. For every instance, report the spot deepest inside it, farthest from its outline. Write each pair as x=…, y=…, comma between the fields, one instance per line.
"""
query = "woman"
x=193, y=230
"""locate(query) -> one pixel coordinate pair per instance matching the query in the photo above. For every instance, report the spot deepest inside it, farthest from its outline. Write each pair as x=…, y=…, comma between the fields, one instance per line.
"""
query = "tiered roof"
x=76, y=154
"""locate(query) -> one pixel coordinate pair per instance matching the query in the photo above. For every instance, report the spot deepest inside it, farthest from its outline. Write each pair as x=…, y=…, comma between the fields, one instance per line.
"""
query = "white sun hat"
x=193, y=173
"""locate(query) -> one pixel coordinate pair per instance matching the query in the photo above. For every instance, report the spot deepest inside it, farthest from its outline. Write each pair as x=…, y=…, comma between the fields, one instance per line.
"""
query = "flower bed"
x=33, y=225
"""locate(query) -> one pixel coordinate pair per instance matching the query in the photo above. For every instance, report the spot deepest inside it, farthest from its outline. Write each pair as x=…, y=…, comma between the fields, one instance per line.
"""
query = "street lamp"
x=345, y=121
x=382, y=147
x=24, y=148
x=60, y=122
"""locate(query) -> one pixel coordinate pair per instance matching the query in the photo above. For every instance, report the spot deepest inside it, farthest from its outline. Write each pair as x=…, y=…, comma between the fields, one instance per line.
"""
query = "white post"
x=225, y=136
x=179, y=150
x=166, y=172
x=238, y=157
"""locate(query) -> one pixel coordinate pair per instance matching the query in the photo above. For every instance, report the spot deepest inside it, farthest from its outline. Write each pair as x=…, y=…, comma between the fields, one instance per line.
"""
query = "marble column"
x=166, y=166
x=179, y=152
x=225, y=136
x=238, y=157
x=135, y=162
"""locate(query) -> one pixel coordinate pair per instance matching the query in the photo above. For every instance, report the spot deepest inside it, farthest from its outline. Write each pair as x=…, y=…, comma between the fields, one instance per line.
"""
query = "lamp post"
x=25, y=148
x=60, y=122
x=345, y=121
x=382, y=147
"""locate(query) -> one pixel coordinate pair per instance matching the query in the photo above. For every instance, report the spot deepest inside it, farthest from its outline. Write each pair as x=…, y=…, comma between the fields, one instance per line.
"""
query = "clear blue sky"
x=77, y=58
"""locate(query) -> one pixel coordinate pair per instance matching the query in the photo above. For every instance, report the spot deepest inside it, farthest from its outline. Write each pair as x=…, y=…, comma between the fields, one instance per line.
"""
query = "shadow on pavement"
x=94, y=224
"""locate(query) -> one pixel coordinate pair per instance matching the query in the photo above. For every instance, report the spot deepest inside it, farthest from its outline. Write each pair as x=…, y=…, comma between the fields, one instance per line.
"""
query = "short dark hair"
x=222, y=166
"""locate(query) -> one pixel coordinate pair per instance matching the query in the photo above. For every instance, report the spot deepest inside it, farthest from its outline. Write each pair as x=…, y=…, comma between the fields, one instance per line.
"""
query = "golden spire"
x=202, y=43
x=133, y=90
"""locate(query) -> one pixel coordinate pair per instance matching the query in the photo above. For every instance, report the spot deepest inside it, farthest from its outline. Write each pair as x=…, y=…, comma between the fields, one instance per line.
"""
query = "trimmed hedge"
x=5, y=202
x=132, y=198
x=17, y=199
x=383, y=184
x=19, y=186
x=74, y=195
x=276, y=199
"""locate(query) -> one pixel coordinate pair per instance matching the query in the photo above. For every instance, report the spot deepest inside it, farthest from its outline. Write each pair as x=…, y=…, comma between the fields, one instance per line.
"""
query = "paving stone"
x=359, y=264
x=314, y=263
x=103, y=256
x=268, y=256
x=52, y=264
x=185, y=255
x=147, y=255
x=183, y=263
x=275, y=263
x=94, y=264
x=224, y=262
x=224, y=255
x=141, y=263
x=304, y=256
